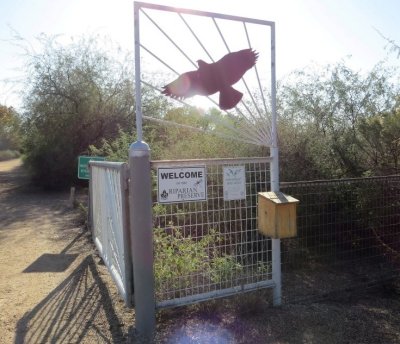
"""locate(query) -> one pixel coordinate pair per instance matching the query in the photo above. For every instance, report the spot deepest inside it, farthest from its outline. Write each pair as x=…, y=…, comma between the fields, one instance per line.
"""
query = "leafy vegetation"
x=333, y=121
x=76, y=95
x=169, y=142
x=8, y=154
x=327, y=120
x=179, y=258
x=10, y=132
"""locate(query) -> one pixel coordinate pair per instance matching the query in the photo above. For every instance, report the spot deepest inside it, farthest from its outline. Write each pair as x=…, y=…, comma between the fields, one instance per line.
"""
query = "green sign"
x=83, y=165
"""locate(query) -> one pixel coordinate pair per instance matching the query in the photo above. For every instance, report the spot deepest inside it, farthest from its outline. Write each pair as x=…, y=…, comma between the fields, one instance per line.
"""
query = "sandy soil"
x=54, y=289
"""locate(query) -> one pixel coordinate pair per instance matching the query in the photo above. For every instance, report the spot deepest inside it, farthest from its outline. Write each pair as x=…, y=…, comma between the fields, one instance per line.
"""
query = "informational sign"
x=83, y=165
x=234, y=183
x=182, y=184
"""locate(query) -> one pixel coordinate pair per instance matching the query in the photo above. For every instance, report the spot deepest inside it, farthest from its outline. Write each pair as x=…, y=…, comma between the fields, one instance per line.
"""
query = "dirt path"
x=52, y=289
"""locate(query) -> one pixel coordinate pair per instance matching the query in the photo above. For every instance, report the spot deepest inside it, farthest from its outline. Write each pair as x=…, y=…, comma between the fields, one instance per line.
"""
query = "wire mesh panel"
x=110, y=222
x=348, y=236
x=212, y=248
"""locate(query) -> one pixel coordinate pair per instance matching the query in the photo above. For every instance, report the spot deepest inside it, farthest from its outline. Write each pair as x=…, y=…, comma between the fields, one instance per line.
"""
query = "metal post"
x=128, y=277
x=90, y=200
x=138, y=95
x=276, y=243
x=142, y=237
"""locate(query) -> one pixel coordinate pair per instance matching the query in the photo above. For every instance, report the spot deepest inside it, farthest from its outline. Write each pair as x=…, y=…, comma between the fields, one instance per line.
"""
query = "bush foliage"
x=77, y=94
x=333, y=121
x=8, y=155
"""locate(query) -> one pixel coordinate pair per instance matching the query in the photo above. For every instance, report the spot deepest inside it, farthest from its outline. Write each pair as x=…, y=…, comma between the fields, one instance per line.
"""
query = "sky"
x=307, y=31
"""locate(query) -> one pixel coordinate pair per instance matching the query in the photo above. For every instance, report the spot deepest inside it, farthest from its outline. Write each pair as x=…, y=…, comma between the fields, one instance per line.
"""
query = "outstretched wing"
x=187, y=85
x=233, y=65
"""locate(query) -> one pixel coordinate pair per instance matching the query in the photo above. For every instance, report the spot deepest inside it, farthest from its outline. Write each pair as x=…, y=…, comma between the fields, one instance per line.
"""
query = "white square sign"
x=182, y=184
x=234, y=183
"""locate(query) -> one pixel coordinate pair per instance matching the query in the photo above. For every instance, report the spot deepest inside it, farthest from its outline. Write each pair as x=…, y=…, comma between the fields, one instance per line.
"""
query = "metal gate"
x=110, y=222
x=212, y=248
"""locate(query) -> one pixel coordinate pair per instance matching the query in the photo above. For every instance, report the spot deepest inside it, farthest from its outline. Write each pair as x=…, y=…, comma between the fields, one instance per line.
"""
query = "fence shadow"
x=79, y=309
x=50, y=262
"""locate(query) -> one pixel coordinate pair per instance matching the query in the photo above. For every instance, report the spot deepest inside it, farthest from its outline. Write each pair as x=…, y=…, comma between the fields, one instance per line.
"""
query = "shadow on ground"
x=55, y=262
x=78, y=310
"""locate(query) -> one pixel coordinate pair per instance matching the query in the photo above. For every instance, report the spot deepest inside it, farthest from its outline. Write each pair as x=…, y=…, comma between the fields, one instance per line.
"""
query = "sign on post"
x=83, y=165
x=182, y=184
x=234, y=183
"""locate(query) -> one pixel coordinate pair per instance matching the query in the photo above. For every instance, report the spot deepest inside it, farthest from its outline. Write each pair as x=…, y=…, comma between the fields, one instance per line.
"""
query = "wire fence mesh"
x=212, y=248
x=348, y=236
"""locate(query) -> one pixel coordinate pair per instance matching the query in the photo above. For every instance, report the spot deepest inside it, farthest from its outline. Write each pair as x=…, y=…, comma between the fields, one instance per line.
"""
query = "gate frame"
x=140, y=151
x=219, y=293
x=124, y=283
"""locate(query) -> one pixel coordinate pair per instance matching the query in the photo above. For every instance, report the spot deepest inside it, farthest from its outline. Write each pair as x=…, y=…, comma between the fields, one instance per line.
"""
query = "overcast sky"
x=319, y=31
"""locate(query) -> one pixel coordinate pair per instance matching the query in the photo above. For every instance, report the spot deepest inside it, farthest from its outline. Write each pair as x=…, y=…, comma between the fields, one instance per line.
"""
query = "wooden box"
x=277, y=215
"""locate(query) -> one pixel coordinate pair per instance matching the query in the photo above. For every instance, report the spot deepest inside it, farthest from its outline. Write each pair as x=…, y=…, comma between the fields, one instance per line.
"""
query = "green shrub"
x=9, y=154
x=224, y=268
x=178, y=258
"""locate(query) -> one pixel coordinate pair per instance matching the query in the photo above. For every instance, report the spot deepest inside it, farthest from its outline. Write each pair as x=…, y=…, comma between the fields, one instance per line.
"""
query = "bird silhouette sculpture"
x=215, y=77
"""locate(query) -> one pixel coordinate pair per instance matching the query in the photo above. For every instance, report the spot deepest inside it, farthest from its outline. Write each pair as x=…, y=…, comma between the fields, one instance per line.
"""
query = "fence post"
x=276, y=243
x=141, y=229
x=90, y=198
x=128, y=277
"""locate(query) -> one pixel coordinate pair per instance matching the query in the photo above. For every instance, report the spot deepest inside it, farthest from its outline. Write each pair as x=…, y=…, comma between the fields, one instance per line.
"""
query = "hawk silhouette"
x=211, y=78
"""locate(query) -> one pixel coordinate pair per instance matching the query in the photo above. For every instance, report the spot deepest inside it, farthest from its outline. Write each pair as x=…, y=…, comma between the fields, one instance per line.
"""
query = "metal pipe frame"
x=215, y=294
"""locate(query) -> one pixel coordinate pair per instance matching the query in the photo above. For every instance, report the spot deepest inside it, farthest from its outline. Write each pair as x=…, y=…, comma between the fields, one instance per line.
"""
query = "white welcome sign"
x=182, y=184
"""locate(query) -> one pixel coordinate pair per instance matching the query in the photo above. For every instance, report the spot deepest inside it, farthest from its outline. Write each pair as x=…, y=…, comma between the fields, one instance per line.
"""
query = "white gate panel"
x=110, y=224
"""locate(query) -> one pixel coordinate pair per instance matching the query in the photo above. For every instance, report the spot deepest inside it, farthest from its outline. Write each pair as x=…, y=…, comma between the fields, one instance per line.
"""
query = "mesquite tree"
x=324, y=120
x=76, y=95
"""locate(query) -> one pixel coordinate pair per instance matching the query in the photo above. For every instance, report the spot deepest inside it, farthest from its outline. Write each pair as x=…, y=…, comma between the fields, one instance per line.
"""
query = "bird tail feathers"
x=229, y=97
